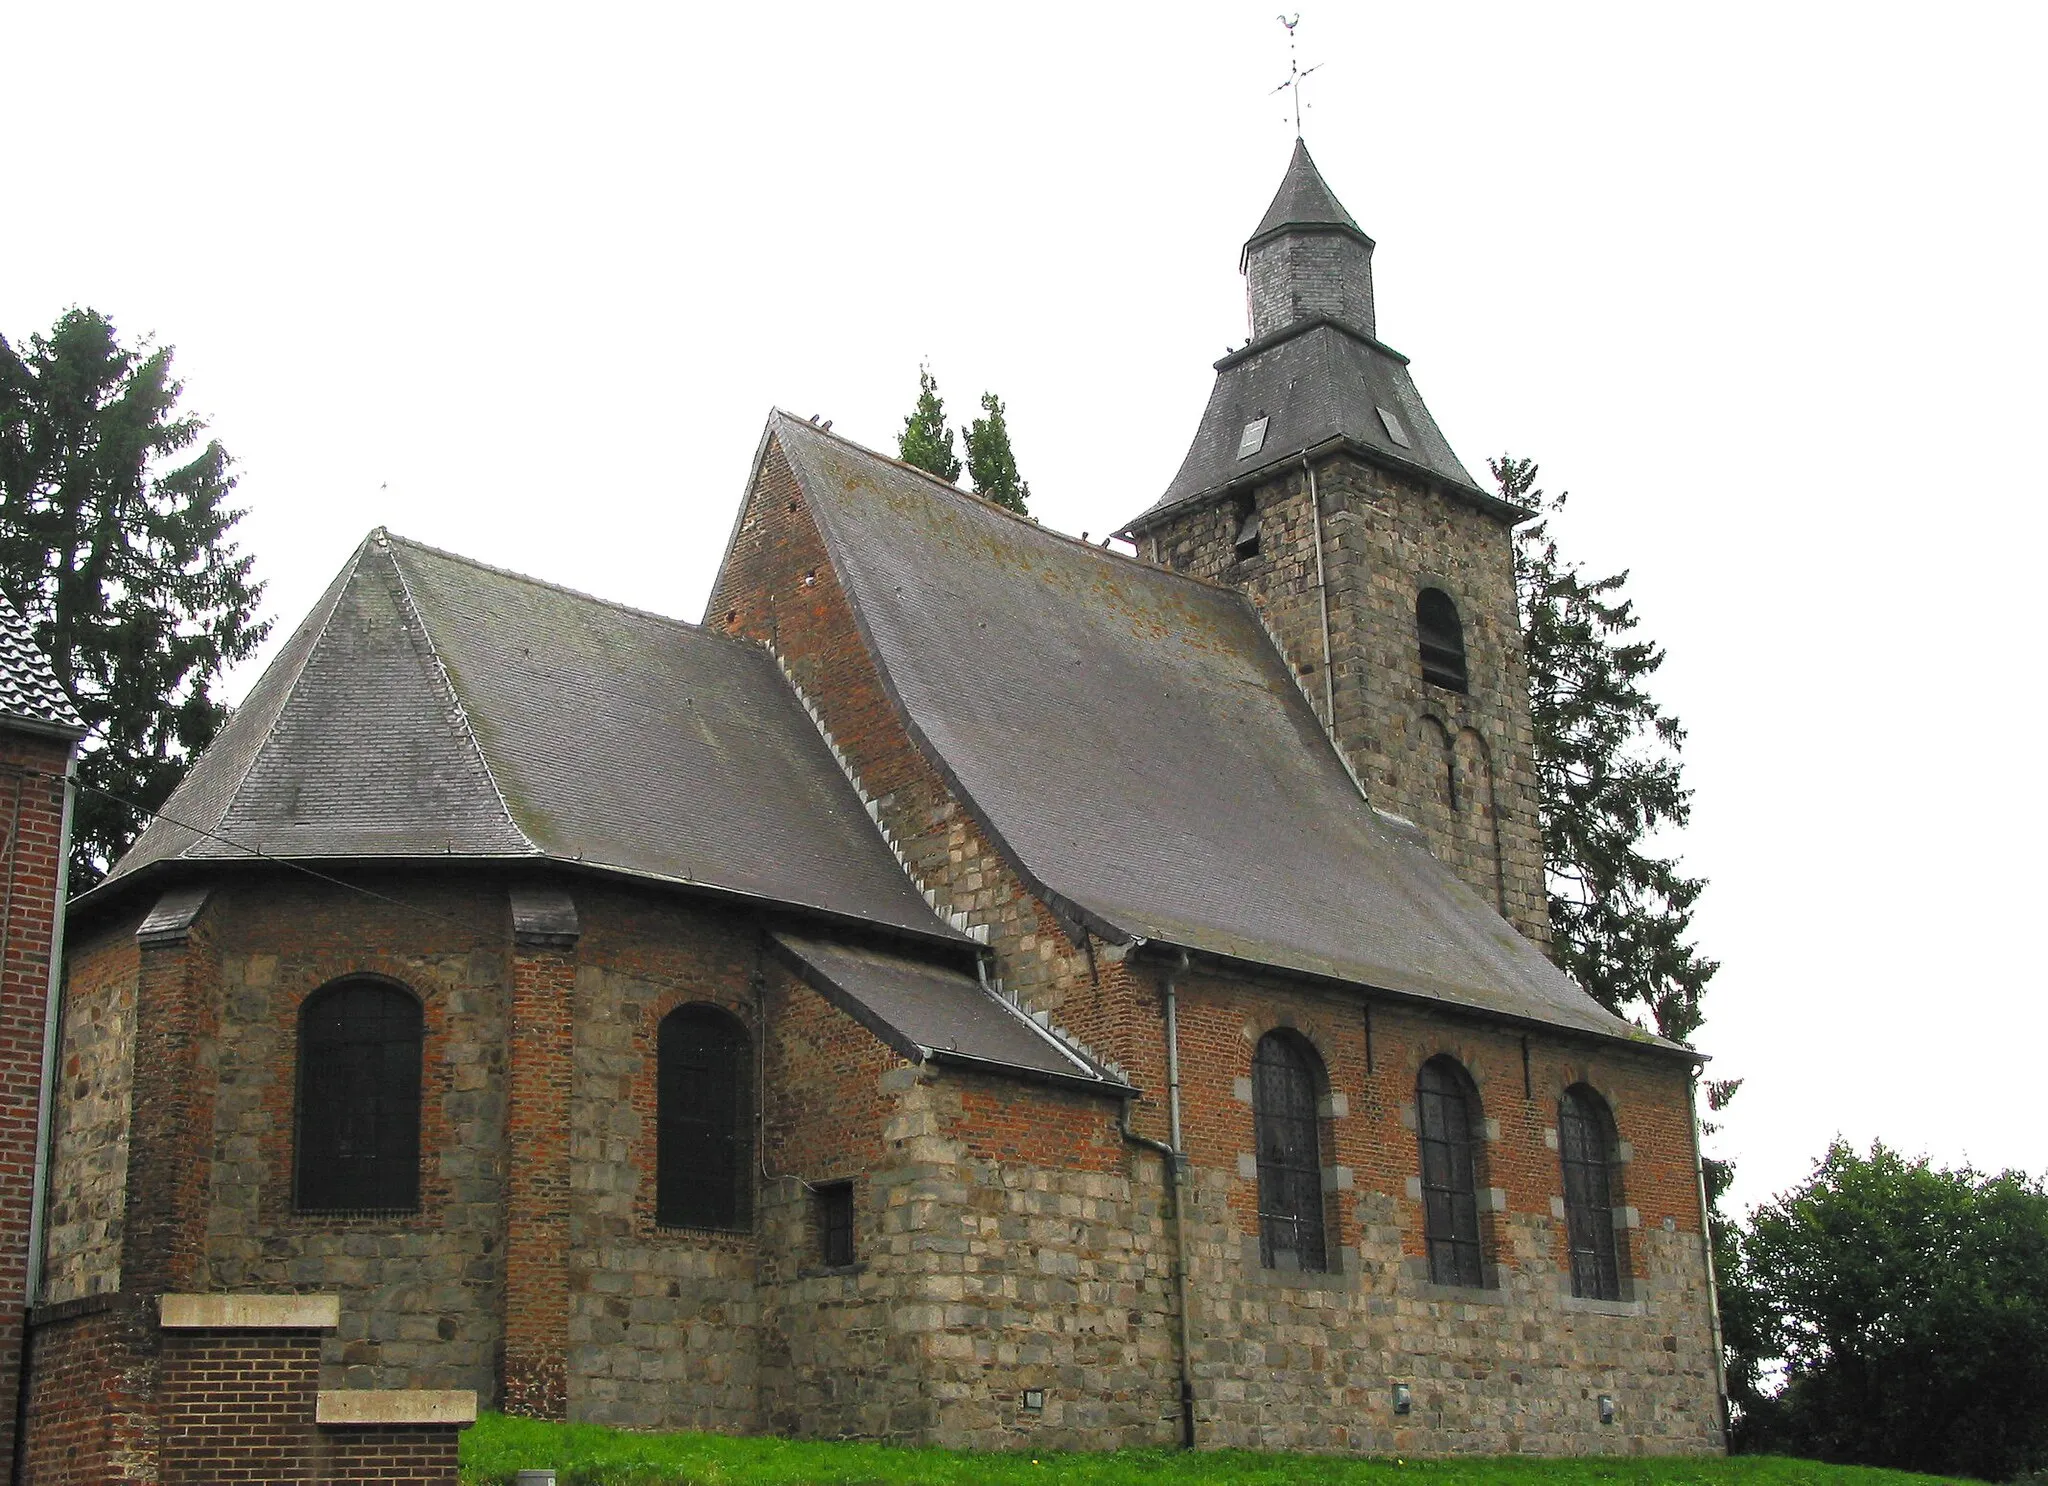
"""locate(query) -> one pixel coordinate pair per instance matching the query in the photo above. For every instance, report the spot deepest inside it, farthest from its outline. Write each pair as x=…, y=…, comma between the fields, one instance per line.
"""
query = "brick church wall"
x=1385, y=538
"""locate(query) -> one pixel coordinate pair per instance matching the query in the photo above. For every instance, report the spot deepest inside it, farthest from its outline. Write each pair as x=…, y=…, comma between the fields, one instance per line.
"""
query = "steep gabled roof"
x=29, y=692
x=432, y=707
x=1136, y=745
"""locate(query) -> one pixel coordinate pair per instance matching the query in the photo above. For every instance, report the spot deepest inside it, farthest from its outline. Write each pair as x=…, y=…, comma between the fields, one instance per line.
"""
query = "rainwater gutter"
x=1315, y=516
x=1177, y=1174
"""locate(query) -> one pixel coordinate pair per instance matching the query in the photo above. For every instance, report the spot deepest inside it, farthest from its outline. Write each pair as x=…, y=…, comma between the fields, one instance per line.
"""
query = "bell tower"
x=1318, y=482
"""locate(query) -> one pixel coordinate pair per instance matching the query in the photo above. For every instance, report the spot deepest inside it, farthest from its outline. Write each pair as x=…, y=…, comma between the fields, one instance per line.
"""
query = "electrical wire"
x=255, y=851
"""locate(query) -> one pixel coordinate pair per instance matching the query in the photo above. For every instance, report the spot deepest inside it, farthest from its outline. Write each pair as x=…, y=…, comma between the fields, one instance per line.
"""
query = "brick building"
x=976, y=988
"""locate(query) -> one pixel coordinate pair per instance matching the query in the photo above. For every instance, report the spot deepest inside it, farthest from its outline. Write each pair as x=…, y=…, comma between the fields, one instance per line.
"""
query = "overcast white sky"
x=1762, y=285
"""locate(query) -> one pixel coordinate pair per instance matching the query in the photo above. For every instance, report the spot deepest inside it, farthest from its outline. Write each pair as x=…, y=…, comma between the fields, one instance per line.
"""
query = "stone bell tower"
x=1318, y=483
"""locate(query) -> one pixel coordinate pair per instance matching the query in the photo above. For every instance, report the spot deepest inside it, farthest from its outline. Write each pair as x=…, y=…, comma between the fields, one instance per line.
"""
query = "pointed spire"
x=1304, y=200
x=1308, y=261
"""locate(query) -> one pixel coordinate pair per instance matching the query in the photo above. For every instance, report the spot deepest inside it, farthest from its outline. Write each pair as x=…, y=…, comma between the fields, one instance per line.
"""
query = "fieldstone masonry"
x=1459, y=765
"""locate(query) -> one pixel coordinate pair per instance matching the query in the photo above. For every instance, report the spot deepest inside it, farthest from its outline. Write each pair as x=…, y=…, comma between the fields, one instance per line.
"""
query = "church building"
x=976, y=988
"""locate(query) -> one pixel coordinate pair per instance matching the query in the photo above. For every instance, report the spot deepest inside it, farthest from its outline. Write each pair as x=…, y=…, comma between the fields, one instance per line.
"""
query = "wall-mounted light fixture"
x=1607, y=1408
x=1403, y=1400
x=1034, y=1400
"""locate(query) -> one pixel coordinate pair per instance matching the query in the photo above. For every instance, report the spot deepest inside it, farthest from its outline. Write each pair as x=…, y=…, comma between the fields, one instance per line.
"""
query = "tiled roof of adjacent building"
x=433, y=707
x=1137, y=745
x=28, y=687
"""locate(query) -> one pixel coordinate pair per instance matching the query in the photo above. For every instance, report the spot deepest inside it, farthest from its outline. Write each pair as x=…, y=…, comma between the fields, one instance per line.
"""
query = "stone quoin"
x=978, y=988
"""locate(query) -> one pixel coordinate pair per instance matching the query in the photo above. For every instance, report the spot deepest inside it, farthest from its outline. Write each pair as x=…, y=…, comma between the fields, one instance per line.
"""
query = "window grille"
x=358, y=1145
x=1446, y=1117
x=1285, y=1122
x=703, y=1108
x=1442, y=639
x=835, y=1223
x=1585, y=1144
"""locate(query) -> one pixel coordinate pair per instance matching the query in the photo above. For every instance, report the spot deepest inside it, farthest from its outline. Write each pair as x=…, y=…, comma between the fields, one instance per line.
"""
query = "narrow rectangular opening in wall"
x=835, y=1223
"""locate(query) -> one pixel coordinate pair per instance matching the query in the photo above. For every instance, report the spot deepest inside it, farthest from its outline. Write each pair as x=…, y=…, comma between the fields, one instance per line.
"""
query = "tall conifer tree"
x=926, y=440
x=990, y=461
x=1608, y=769
x=114, y=543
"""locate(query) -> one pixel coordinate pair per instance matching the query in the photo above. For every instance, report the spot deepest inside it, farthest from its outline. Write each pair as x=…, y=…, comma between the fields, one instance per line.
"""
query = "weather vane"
x=1295, y=72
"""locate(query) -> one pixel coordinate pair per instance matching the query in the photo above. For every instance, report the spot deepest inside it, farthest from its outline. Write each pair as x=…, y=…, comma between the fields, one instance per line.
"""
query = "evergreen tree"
x=926, y=441
x=990, y=461
x=1608, y=771
x=114, y=544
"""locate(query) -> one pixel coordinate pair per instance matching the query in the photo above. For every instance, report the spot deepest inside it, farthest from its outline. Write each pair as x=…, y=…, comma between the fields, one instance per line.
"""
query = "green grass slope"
x=586, y=1455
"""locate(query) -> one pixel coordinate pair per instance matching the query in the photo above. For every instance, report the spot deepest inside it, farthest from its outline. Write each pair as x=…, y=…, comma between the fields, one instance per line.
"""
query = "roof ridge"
x=339, y=588
x=448, y=683
x=577, y=593
x=1030, y=523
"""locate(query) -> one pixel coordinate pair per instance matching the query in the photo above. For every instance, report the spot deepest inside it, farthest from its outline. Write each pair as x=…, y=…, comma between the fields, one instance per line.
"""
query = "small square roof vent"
x=1254, y=437
x=1394, y=429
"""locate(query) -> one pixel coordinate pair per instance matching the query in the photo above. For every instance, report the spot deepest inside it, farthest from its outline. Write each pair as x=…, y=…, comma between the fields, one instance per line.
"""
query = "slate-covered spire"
x=1308, y=260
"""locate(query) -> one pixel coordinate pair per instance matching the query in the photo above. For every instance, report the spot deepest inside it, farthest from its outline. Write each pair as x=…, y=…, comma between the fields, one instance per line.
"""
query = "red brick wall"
x=390, y=1457
x=778, y=586
x=537, y=1195
x=92, y=1370
x=237, y=1405
x=33, y=802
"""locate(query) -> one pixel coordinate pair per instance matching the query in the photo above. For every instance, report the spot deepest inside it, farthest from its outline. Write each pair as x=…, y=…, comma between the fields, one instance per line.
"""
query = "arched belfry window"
x=1284, y=1119
x=703, y=1158
x=358, y=1146
x=1442, y=639
x=1586, y=1145
x=1447, y=1121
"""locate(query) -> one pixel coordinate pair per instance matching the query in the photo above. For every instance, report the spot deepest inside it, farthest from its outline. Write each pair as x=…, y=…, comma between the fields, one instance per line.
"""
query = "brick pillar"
x=170, y=1120
x=31, y=854
x=544, y=935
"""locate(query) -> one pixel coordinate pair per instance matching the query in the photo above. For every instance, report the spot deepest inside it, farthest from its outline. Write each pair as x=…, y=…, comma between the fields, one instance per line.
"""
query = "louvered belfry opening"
x=703, y=1107
x=1586, y=1145
x=1442, y=639
x=1447, y=1120
x=358, y=1145
x=1285, y=1119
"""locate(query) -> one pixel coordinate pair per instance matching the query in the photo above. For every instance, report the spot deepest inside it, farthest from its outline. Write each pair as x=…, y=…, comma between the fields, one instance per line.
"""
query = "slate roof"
x=927, y=1011
x=28, y=687
x=432, y=707
x=1137, y=745
x=1321, y=382
x=1303, y=200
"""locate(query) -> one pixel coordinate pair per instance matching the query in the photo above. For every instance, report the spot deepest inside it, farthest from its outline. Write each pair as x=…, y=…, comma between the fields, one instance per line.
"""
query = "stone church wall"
x=89, y=1169
x=1458, y=764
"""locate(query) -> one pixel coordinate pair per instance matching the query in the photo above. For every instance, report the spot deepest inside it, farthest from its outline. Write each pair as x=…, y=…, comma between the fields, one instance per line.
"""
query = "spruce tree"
x=926, y=441
x=114, y=543
x=1608, y=771
x=990, y=461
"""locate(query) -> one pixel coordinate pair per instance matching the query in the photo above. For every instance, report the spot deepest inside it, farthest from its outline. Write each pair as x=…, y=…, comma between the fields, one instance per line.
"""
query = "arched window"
x=1447, y=1124
x=1442, y=639
x=703, y=1158
x=1284, y=1119
x=358, y=1147
x=1586, y=1146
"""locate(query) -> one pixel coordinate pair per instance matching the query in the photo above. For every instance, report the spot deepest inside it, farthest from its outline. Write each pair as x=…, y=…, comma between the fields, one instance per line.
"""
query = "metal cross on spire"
x=1295, y=72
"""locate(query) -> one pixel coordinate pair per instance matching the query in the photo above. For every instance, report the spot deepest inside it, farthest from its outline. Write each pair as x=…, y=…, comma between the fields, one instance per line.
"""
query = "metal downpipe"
x=1177, y=1174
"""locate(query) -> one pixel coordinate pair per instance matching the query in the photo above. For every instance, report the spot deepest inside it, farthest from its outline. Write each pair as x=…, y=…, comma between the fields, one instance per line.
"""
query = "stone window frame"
x=646, y=1227
x=278, y=1209
x=1603, y=1223
x=304, y=1119
x=1487, y=1200
x=1631, y=1257
x=1462, y=652
x=1311, y=1098
x=1332, y=1105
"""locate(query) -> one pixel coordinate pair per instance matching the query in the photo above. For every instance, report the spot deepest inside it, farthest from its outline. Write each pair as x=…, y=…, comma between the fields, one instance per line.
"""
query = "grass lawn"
x=586, y=1455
